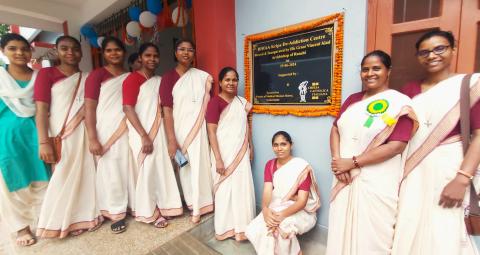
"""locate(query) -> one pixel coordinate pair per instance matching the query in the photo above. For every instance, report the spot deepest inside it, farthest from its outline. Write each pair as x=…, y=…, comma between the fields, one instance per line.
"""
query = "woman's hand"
x=172, y=148
x=342, y=165
x=454, y=192
x=220, y=167
x=46, y=153
x=269, y=218
x=95, y=147
x=344, y=177
x=279, y=216
x=147, y=145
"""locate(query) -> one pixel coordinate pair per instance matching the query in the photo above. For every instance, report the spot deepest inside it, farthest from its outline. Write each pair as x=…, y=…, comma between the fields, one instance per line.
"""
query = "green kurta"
x=20, y=164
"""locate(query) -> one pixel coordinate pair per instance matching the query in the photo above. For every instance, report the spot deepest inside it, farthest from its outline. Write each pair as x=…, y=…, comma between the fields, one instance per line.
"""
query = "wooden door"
x=395, y=25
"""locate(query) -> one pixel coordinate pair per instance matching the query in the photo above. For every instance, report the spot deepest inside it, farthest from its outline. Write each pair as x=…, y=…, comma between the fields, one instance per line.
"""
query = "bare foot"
x=77, y=232
x=25, y=237
x=195, y=219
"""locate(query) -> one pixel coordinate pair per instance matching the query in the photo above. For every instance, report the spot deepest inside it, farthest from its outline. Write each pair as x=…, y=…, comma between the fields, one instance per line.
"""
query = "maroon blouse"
x=131, y=88
x=94, y=82
x=46, y=78
x=268, y=175
x=402, y=131
x=214, y=109
x=166, y=87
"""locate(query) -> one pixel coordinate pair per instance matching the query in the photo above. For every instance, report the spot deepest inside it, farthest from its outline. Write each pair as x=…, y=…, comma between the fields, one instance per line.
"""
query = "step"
x=186, y=243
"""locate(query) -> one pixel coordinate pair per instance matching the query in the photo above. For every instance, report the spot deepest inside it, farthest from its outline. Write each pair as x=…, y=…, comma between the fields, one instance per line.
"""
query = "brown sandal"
x=160, y=223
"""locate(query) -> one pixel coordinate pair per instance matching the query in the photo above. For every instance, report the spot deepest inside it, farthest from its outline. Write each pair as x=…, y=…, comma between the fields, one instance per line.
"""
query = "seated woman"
x=230, y=140
x=290, y=200
x=23, y=176
x=156, y=194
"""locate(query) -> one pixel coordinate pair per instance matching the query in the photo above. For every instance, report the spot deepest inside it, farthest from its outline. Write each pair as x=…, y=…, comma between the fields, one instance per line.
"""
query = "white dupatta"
x=19, y=100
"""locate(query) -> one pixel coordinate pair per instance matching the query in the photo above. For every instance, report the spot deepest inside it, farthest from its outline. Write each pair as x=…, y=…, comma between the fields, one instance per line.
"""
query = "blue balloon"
x=88, y=31
x=154, y=6
x=134, y=13
x=189, y=4
x=94, y=42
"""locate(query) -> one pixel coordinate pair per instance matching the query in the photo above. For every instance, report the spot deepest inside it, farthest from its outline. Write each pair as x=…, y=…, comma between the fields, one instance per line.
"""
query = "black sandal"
x=119, y=226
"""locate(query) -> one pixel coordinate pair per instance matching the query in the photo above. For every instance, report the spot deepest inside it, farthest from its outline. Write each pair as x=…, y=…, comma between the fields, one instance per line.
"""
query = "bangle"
x=143, y=135
x=355, y=162
x=469, y=176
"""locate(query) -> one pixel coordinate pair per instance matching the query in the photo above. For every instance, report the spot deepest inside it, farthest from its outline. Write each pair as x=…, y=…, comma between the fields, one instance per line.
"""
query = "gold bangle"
x=469, y=176
x=44, y=142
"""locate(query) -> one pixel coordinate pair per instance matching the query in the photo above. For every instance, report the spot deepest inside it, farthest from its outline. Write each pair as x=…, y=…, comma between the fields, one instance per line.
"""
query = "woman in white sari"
x=23, y=176
x=69, y=205
x=437, y=175
x=157, y=194
x=230, y=140
x=366, y=143
x=107, y=135
x=185, y=92
x=290, y=200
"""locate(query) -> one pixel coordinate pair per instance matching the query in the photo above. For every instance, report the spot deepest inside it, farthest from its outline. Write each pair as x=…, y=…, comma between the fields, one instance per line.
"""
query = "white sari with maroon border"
x=234, y=192
x=424, y=227
x=286, y=181
x=362, y=214
x=191, y=94
x=70, y=199
x=156, y=187
x=116, y=172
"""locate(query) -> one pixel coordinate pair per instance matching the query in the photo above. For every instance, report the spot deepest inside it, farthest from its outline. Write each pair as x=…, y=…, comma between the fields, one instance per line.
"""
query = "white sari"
x=286, y=181
x=362, y=214
x=190, y=99
x=234, y=192
x=69, y=202
x=156, y=191
x=424, y=227
x=116, y=172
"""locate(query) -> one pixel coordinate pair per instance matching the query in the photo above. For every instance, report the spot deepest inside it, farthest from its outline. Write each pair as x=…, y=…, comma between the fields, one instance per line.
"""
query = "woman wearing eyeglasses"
x=436, y=174
x=185, y=92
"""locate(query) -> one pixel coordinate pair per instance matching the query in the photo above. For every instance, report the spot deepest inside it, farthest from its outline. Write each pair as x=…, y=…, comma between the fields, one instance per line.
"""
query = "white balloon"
x=100, y=40
x=148, y=19
x=182, y=20
x=133, y=29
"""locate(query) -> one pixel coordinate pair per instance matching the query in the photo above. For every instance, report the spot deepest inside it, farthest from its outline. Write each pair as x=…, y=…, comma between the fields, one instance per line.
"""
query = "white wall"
x=310, y=135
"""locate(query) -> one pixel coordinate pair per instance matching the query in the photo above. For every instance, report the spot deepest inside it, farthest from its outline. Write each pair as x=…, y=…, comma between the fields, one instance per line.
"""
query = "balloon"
x=189, y=4
x=88, y=31
x=100, y=40
x=133, y=29
x=154, y=6
x=93, y=42
x=147, y=19
x=182, y=20
x=134, y=13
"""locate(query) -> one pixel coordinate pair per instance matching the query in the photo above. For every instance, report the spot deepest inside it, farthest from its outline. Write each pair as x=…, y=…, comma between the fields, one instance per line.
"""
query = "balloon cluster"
x=155, y=15
x=89, y=32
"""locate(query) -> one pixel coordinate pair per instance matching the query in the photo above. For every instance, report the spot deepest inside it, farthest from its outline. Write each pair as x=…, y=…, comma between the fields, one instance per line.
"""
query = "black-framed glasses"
x=440, y=49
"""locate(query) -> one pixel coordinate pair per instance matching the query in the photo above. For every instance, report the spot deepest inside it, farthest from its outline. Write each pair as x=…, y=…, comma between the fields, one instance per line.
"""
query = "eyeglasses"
x=191, y=50
x=437, y=51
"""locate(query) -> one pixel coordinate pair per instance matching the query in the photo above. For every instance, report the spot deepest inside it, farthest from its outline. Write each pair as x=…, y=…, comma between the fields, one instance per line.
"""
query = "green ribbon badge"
x=375, y=109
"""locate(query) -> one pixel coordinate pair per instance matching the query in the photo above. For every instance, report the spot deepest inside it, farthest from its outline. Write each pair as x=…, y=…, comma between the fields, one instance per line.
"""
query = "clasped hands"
x=272, y=219
x=341, y=168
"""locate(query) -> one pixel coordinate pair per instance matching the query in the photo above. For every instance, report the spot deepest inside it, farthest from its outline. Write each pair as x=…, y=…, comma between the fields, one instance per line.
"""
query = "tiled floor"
x=140, y=238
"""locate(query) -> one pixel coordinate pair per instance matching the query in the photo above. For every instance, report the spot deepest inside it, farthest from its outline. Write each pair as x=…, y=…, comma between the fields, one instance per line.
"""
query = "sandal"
x=160, y=223
x=77, y=232
x=119, y=226
x=95, y=227
x=26, y=240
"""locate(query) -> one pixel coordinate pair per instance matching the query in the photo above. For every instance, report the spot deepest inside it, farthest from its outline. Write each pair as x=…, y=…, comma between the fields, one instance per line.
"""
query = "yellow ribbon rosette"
x=377, y=108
